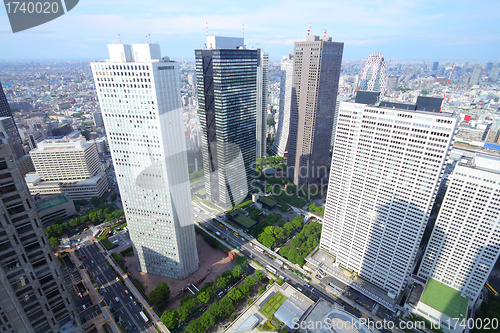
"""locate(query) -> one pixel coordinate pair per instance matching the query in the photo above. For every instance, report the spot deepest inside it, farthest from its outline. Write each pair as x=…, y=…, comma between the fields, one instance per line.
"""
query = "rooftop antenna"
x=119, y=39
x=243, y=27
x=309, y=29
x=325, y=31
x=446, y=89
x=207, y=27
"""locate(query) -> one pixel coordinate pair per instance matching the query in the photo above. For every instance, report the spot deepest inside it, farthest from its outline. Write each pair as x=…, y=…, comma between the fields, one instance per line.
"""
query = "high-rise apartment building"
x=373, y=75
x=262, y=92
x=64, y=159
x=227, y=99
x=464, y=244
x=316, y=73
x=32, y=295
x=392, y=83
x=477, y=72
x=280, y=144
x=139, y=95
x=386, y=167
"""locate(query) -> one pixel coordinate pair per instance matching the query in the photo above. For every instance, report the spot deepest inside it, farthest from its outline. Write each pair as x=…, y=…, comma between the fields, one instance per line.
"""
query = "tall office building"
x=23, y=161
x=280, y=144
x=32, y=295
x=385, y=171
x=477, y=72
x=494, y=72
x=435, y=65
x=464, y=244
x=373, y=76
x=392, y=83
x=227, y=91
x=316, y=73
x=141, y=105
x=97, y=116
x=262, y=92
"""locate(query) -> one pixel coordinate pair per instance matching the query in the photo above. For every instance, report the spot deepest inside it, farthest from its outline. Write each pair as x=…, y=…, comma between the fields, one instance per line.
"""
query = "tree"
x=97, y=201
x=297, y=221
x=262, y=289
x=241, y=261
x=259, y=275
x=234, y=294
x=237, y=271
x=194, y=326
x=289, y=227
x=280, y=281
x=226, y=305
x=160, y=295
x=267, y=239
x=170, y=319
x=58, y=220
x=203, y=297
x=249, y=279
x=186, y=308
x=207, y=320
x=54, y=242
x=221, y=282
x=244, y=288
x=215, y=310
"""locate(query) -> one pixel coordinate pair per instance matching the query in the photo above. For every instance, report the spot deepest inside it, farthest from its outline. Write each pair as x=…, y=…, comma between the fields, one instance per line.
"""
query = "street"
x=114, y=294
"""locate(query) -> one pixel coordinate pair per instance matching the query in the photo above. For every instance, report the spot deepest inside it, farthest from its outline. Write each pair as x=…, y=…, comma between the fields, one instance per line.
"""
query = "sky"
x=401, y=30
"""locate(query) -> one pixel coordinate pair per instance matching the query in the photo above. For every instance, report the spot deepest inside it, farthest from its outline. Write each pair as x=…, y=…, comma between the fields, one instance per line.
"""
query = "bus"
x=491, y=290
x=271, y=269
x=143, y=316
x=258, y=249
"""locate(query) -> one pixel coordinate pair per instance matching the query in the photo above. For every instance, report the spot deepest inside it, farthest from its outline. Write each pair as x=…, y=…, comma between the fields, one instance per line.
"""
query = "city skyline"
x=409, y=30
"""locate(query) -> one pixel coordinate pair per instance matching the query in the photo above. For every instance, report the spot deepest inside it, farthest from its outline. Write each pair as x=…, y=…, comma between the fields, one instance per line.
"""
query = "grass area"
x=196, y=182
x=129, y=252
x=240, y=218
x=444, y=299
x=293, y=199
x=268, y=201
x=119, y=260
x=107, y=244
x=273, y=305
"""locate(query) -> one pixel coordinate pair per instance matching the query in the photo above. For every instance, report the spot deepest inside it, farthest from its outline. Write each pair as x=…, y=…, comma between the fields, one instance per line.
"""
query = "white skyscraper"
x=141, y=105
x=374, y=76
x=465, y=241
x=280, y=145
x=261, y=120
x=386, y=166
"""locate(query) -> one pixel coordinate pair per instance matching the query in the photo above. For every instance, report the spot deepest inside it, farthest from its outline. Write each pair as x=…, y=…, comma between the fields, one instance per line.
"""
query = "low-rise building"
x=55, y=206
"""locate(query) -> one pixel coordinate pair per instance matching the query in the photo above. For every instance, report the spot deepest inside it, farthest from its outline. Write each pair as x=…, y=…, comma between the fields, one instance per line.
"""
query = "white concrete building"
x=140, y=102
x=385, y=170
x=280, y=145
x=465, y=242
x=65, y=159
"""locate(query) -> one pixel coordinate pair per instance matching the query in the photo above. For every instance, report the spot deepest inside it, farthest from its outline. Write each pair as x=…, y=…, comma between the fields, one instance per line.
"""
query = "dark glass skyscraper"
x=33, y=298
x=316, y=73
x=227, y=91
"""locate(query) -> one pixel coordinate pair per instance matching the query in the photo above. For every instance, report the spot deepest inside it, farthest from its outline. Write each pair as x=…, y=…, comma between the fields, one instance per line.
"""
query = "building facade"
x=475, y=78
x=280, y=144
x=262, y=92
x=316, y=73
x=32, y=295
x=373, y=75
x=465, y=242
x=139, y=95
x=66, y=159
x=227, y=98
x=386, y=167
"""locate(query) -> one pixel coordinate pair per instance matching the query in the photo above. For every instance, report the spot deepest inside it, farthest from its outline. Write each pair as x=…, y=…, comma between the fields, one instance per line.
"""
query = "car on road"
x=117, y=299
x=299, y=289
x=307, y=285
